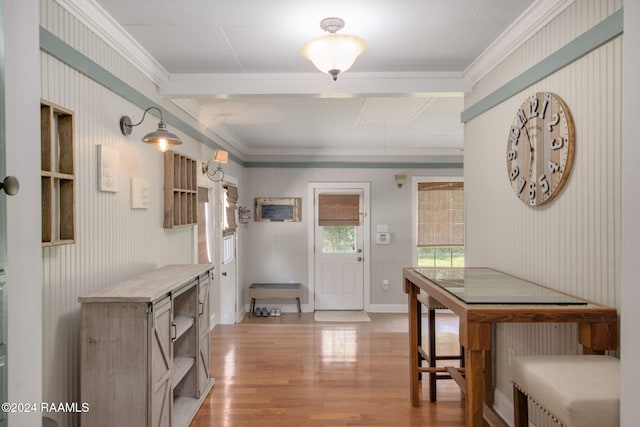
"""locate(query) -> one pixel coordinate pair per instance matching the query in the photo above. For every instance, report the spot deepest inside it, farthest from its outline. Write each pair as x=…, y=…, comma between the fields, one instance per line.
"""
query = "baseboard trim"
x=503, y=406
x=388, y=308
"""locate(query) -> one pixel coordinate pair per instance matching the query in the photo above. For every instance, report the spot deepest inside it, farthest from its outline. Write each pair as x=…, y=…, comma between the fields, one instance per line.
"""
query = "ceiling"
x=236, y=66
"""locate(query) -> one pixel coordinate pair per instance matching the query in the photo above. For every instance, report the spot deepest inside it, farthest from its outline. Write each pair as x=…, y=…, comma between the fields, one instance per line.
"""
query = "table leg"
x=474, y=377
x=488, y=376
x=414, y=383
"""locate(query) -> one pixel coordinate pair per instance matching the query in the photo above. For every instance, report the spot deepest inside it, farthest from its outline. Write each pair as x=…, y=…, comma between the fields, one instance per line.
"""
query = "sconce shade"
x=400, y=180
x=161, y=136
x=333, y=53
x=216, y=173
x=221, y=156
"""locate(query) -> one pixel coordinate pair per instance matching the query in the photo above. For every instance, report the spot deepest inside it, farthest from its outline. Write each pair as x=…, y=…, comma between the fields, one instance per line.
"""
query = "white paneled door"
x=339, y=250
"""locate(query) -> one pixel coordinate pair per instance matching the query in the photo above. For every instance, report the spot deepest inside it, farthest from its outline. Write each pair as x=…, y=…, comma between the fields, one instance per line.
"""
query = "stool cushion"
x=580, y=391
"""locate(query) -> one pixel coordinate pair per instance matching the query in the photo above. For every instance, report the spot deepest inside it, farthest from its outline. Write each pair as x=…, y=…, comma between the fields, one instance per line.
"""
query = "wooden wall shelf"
x=58, y=178
x=180, y=190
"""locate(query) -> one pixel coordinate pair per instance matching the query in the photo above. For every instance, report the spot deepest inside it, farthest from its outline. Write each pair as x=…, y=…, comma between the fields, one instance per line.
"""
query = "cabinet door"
x=203, y=305
x=160, y=364
x=203, y=327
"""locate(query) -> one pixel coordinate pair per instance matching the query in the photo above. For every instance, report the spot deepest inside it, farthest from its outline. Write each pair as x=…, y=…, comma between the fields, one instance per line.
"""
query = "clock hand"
x=531, y=156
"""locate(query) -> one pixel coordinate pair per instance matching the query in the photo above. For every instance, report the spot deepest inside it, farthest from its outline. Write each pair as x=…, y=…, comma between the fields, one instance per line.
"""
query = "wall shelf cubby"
x=180, y=190
x=57, y=171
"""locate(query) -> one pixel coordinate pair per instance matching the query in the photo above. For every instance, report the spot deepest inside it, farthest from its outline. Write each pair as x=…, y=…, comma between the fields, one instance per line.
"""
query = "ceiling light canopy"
x=333, y=53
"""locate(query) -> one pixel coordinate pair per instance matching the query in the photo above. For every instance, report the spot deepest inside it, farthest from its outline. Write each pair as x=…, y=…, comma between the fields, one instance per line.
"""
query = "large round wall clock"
x=540, y=148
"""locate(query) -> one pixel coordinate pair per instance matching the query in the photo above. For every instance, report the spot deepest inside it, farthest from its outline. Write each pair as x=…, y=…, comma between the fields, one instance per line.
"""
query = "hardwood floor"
x=292, y=371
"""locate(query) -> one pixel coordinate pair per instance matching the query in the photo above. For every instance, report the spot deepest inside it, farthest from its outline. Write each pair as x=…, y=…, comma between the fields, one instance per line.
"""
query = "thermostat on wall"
x=383, y=238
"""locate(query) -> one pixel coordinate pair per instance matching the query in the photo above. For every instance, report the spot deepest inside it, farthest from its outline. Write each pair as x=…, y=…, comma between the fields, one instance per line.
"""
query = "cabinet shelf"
x=181, y=365
x=182, y=325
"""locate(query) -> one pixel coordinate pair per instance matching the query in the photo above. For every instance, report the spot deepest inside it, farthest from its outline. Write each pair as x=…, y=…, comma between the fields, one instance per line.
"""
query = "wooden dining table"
x=482, y=297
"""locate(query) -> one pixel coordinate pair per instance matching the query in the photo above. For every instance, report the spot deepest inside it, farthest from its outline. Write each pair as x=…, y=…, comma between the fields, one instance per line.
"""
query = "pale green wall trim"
x=354, y=165
x=593, y=38
x=62, y=51
x=57, y=48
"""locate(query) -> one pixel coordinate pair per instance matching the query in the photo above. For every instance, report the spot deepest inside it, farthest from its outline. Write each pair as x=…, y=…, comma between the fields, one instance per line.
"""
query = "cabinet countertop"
x=150, y=286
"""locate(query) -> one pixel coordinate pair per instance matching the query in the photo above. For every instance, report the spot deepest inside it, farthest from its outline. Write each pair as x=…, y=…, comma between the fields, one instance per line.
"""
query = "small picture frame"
x=139, y=193
x=277, y=209
x=108, y=164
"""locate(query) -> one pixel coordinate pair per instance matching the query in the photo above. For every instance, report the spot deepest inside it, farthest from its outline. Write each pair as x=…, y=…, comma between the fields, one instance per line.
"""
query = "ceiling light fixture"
x=333, y=53
x=215, y=174
x=161, y=136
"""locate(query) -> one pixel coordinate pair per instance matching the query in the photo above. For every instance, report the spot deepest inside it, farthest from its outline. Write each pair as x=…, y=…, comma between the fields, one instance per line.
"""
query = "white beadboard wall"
x=278, y=251
x=113, y=241
x=574, y=243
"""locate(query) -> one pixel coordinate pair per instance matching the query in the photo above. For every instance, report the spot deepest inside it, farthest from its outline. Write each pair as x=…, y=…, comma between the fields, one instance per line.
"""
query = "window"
x=229, y=211
x=339, y=217
x=440, y=224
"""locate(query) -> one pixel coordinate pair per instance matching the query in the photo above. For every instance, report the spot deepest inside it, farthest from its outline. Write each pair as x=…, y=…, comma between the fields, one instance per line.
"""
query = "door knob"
x=359, y=258
x=10, y=185
x=359, y=251
x=224, y=273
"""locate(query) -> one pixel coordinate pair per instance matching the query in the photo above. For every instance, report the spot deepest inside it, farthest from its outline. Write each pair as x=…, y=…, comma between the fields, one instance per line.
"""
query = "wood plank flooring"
x=292, y=371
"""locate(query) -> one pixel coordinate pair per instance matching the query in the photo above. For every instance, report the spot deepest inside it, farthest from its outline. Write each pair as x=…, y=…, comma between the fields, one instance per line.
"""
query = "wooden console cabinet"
x=144, y=346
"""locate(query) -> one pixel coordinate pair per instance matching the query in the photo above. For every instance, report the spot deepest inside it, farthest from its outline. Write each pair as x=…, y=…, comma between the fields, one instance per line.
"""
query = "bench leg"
x=299, y=308
x=520, y=408
x=252, y=307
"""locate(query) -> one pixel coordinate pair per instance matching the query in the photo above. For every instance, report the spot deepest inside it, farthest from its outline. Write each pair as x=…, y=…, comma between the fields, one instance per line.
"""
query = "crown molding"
x=96, y=19
x=539, y=14
x=342, y=153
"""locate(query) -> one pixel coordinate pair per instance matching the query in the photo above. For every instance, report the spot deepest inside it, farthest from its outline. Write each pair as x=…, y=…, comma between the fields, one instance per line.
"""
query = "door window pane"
x=338, y=239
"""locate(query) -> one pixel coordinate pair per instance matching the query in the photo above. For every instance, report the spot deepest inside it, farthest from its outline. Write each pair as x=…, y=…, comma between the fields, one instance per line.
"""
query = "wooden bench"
x=576, y=391
x=274, y=290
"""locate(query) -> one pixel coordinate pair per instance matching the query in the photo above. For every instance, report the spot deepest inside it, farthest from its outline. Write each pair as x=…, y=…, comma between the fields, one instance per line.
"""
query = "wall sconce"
x=161, y=136
x=215, y=174
x=400, y=180
x=243, y=215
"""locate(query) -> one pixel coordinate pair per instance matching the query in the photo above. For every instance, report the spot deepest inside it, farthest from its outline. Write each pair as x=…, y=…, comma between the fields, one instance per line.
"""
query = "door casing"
x=359, y=186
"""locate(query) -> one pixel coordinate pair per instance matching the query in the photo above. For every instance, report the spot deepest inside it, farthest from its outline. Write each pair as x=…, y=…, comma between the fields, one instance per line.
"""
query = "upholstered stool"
x=576, y=391
x=430, y=356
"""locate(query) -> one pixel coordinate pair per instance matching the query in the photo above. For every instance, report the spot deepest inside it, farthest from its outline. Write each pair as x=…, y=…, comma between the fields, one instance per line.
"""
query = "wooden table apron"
x=597, y=332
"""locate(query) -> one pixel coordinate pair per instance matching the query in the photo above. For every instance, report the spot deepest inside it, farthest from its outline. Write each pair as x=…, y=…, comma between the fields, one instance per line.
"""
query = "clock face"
x=540, y=148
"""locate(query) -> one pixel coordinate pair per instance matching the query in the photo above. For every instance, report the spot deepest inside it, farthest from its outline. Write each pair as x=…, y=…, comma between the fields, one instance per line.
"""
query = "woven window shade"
x=338, y=209
x=231, y=201
x=440, y=214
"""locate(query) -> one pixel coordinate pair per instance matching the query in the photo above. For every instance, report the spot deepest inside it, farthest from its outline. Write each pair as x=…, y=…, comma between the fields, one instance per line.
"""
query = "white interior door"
x=339, y=259
x=228, y=271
